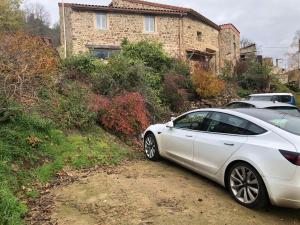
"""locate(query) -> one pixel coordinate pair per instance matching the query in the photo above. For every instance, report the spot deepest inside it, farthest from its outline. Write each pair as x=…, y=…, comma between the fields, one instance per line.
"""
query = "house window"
x=150, y=24
x=199, y=36
x=103, y=53
x=101, y=19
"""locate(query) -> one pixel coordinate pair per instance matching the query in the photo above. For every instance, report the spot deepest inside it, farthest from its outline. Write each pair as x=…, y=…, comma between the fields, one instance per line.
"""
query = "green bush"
x=71, y=109
x=151, y=53
x=257, y=77
x=243, y=93
x=81, y=66
x=180, y=67
x=120, y=74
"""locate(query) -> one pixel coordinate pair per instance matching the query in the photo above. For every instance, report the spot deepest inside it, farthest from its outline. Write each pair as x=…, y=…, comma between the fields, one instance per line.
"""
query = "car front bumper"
x=285, y=193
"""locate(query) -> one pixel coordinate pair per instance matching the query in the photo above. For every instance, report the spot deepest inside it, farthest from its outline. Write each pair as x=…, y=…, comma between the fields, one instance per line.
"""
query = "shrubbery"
x=27, y=64
x=151, y=53
x=175, y=92
x=124, y=114
x=120, y=74
x=70, y=109
x=207, y=84
x=81, y=67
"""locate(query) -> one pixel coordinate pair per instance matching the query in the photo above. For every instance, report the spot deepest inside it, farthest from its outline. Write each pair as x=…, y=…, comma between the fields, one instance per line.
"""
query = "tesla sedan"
x=254, y=153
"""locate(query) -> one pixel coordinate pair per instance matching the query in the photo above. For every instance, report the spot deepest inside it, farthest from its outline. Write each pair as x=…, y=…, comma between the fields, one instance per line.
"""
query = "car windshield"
x=289, y=110
x=284, y=121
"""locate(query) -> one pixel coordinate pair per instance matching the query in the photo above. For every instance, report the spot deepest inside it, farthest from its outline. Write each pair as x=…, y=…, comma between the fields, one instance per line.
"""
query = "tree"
x=38, y=23
x=39, y=12
x=245, y=42
x=11, y=17
x=257, y=76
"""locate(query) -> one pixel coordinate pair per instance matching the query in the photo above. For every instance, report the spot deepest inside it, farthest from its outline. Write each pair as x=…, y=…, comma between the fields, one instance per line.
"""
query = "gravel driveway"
x=145, y=192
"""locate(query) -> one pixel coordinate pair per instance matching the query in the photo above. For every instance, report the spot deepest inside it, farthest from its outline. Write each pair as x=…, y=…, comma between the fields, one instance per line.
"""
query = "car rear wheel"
x=246, y=186
x=151, y=148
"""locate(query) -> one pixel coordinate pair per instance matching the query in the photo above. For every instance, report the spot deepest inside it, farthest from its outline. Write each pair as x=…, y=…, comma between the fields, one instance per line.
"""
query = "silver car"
x=278, y=106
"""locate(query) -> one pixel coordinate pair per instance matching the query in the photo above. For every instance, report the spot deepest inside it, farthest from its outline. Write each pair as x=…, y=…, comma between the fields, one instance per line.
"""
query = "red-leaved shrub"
x=125, y=115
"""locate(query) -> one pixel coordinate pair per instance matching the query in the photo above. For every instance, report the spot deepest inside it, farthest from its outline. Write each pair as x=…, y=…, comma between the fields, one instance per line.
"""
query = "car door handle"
x=189, y=136
x=228, y=144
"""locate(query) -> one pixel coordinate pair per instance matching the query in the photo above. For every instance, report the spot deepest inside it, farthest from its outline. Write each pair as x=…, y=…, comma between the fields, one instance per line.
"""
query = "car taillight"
x=292, y=157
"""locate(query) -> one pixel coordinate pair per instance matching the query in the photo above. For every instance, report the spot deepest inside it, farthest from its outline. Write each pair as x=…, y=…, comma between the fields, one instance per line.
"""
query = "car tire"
x=151, y=147
x=246, y=186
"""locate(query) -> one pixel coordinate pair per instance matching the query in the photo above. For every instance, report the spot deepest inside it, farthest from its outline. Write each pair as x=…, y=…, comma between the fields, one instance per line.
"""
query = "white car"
x=254, y=153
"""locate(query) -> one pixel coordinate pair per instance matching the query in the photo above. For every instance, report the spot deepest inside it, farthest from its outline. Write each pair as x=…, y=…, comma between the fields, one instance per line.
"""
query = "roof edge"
x=156, y=5
x=229, y=25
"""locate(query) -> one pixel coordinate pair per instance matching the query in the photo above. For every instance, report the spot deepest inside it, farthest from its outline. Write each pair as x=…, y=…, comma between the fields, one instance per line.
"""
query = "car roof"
x=271, y=94
x=265, y=104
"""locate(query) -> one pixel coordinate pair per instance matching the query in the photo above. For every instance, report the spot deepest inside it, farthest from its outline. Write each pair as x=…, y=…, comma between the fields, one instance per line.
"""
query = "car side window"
x=191, y=121
x=229, y=124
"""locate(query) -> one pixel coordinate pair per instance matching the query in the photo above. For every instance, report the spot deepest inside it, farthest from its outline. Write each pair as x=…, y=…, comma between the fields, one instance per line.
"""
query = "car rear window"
x=283, y=98
x=281, y=120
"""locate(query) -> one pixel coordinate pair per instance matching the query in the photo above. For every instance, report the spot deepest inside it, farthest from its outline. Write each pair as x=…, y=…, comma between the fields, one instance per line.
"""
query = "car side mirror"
x=170, y=124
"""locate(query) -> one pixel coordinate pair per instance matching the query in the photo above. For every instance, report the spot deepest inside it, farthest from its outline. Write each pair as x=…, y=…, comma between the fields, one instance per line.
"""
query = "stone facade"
x=229, y=45
x=183, y=32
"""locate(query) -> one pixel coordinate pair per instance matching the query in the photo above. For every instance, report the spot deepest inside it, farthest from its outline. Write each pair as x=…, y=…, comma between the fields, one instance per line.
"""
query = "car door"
x=178, y=141
x=224, y=135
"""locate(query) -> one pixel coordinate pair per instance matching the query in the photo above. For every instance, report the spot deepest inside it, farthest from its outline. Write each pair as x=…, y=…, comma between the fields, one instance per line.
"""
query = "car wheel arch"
x=150, y=132
x=232, y=163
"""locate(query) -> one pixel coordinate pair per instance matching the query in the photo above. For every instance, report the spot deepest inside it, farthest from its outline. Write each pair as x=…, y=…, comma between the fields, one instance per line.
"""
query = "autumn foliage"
x=27, y=64
x=207, y=84
x=125, y=114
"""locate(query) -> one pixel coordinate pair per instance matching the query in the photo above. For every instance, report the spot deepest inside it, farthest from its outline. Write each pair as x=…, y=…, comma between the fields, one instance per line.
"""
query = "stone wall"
x=229, y=45
x=209, y=38
x=175, y=33
x=120, y=26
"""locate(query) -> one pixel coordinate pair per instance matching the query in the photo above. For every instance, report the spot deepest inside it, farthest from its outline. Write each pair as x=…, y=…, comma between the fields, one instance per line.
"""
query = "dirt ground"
x=145, y=192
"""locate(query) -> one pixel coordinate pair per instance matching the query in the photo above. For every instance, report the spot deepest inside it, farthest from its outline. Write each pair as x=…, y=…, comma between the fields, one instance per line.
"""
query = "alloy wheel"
x=244, y=185
x=150, y=146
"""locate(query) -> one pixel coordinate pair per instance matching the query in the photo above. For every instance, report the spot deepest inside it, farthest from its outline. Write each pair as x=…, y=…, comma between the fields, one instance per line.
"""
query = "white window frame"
x=101, y=21
x=148, y=26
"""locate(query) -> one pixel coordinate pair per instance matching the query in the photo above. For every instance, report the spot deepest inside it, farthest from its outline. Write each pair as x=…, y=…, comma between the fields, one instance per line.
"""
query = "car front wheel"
x=246, y=186
x=151, y=148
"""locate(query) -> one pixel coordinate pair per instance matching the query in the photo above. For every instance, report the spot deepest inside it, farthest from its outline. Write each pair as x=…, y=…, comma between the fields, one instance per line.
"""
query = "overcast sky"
x=272, y=24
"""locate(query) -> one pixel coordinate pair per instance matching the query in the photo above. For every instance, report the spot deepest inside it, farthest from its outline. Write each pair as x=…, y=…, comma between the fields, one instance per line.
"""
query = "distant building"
x=184, y=33
x=248, y=53
x=294, y=77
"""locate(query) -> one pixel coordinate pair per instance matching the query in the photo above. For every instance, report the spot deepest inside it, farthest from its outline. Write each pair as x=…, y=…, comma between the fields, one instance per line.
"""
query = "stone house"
x=294, y=77
x=184, y=33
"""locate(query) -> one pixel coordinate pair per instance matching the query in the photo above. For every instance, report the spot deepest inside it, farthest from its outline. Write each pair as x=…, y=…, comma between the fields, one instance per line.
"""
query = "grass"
x=33, y=151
